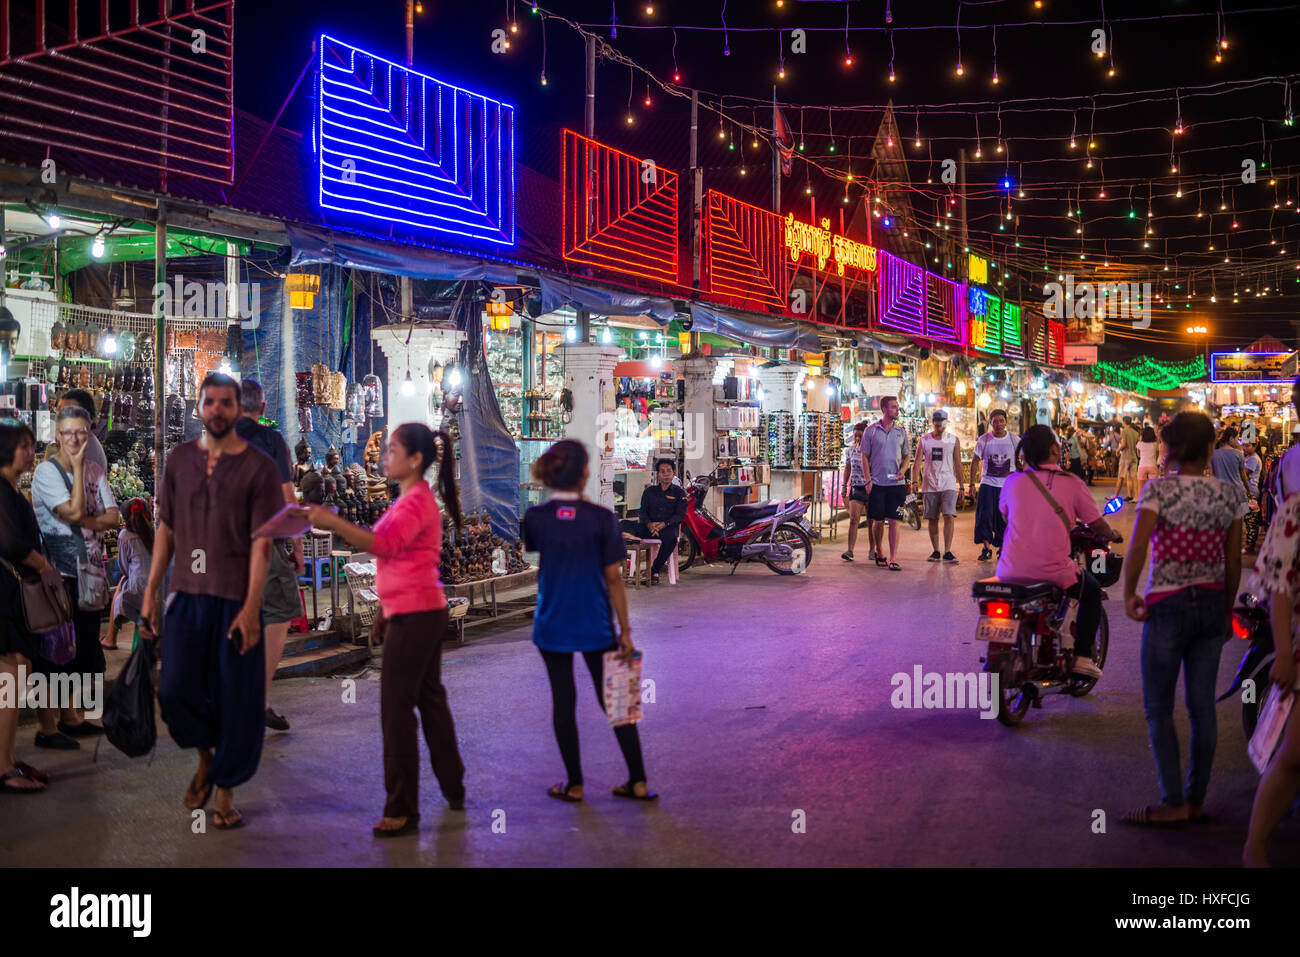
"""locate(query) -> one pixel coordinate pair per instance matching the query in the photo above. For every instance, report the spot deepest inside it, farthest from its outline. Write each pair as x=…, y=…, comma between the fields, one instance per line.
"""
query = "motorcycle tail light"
x=998, y=609
x=1241, y=627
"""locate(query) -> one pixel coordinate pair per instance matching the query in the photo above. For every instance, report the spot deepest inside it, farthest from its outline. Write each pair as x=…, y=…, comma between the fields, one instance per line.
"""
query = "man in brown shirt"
x=216, y=491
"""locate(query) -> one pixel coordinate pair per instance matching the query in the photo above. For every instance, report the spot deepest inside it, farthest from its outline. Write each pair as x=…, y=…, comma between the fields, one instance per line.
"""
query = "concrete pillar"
x=698, y=446
x=442, y=345
x=589, y=377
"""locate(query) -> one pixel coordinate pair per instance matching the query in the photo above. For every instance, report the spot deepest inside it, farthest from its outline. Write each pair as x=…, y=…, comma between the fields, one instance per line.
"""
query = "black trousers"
x=411, y=681
x=564, y=702
x=1088, y=590
x=667, y=536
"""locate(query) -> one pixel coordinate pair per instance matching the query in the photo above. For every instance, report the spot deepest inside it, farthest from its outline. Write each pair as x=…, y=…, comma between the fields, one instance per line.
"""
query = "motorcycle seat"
x=1016, y=589
x=743, y=515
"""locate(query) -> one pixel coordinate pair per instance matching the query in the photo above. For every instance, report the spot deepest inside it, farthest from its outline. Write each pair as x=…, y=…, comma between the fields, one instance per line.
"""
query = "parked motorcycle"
x=1250, y=622
x=1030, y=627
x=776, y=533
x=910, y=511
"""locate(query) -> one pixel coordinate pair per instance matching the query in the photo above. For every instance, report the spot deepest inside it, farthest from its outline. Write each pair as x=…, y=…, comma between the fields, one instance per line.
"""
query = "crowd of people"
x=1196, y=489
x=231, y=593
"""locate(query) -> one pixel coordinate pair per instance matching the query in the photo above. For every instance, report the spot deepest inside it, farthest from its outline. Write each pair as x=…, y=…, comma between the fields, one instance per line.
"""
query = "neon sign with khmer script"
x=821, y=243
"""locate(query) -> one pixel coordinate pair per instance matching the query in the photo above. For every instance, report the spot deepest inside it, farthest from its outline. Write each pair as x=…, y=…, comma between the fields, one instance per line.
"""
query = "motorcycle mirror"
x=1113, y=505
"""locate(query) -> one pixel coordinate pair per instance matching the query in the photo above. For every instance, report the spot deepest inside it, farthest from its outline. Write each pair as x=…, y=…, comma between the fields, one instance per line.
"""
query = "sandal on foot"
x=31, y=772
x=881, y=562
x=626, y=791
x=561, y=792
x=895, y=567
x=410, y=824
x=196, y=798
x=17, y=772
x=1143, y=818
x=228, y=821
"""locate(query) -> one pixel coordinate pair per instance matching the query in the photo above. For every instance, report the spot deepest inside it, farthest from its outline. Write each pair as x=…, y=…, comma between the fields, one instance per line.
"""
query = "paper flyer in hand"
x=289, y=522
x=622, y=689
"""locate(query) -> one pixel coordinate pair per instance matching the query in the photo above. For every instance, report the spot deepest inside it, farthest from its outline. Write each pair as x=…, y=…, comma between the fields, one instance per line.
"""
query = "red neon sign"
x=619, y=211
x=744, y=252
x=1055, y=343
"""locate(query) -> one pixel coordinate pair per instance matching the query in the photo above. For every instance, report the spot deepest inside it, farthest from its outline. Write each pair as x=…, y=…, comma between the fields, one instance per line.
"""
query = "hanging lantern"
x=499, y=314
x=302, y=289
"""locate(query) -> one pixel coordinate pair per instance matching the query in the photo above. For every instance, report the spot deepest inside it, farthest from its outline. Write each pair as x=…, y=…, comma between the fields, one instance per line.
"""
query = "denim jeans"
x=1187, y=629
x=1088, y=590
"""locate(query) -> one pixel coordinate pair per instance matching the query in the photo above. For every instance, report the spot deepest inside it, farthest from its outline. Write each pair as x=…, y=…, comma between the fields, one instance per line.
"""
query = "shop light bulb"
x=55, y=221
x=1005, y=394
x=454, y=379
x=605, y=337
x=110, y=344
x=830, y=391
x=408, y=386
x=960, y=71
x=571, y=334
x=656, y=362
x=224, y=368
x=97, y=247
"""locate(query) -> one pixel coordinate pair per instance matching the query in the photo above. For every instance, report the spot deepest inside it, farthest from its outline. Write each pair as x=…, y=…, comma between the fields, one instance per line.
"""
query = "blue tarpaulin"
x=754, y=328
x=311, y=245
x=560, y=291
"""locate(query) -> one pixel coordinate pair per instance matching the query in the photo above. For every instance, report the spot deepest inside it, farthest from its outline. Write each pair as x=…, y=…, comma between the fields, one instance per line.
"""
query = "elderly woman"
x=74, y=506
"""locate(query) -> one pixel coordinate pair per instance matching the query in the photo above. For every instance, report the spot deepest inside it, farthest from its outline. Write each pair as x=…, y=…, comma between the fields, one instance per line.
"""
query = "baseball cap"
x=939, y=415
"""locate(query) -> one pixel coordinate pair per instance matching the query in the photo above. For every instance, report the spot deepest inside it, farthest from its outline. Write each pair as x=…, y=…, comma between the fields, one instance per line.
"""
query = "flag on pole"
x=784, y=138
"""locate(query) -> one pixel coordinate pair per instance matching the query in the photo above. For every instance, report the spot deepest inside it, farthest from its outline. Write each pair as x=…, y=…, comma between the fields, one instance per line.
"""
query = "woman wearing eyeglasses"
x=74, y=506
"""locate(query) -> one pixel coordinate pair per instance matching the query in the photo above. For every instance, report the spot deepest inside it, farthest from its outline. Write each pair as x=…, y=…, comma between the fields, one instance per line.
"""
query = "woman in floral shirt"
x=1277, y=575
x=1193, y=523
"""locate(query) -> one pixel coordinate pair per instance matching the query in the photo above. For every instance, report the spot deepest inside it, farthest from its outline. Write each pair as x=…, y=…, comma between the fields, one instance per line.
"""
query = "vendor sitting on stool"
x=663, y=507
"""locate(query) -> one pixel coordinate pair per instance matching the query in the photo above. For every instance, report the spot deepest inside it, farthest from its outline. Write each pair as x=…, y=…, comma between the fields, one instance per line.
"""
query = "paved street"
x=772, y=695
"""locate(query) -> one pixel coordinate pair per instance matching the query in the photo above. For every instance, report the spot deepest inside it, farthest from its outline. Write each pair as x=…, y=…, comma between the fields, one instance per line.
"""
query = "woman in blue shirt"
x=579, y=589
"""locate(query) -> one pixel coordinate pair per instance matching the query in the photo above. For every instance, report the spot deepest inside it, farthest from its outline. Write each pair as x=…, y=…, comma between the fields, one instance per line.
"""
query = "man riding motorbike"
x=1037, y=542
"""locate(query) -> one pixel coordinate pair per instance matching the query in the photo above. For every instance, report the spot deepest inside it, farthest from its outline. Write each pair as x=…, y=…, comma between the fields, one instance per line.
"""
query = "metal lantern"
x=302, y=288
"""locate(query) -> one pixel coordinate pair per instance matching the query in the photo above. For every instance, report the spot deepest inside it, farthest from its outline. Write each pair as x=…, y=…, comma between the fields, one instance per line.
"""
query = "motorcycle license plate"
x=998, y=630
x=804, y=523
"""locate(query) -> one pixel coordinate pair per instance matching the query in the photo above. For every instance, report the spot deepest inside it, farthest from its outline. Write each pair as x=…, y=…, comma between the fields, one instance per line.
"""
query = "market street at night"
x=772, y=695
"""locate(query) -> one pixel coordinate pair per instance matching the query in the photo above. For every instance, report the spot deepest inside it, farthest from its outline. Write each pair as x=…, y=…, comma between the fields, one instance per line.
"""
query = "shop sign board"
x=824, y=246
x=619, y=212
x=1249, y=367
x=411, y=152
x=1080, y=355
x=977, y=270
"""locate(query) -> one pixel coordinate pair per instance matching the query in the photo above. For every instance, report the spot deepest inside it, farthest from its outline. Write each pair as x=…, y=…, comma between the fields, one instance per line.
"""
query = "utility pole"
x=160, y=346
x=406, y=304
x=697, y=198
x=961, y=186
x=588, y=128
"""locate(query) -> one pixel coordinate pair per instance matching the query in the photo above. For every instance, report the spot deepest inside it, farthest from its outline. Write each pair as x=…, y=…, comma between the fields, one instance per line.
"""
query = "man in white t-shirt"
x=935, y=471
x=996, y=451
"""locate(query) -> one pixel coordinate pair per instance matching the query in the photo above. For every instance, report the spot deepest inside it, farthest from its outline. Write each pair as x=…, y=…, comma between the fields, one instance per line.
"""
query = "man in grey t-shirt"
x=886, y=452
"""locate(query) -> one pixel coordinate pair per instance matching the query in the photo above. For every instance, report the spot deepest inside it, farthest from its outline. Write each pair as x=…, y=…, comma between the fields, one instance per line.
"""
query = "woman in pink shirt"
x=1037, y=542
x=407, y=545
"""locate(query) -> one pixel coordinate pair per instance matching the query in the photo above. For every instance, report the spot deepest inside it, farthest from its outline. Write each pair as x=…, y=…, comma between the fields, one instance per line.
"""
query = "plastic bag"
x=128, y=710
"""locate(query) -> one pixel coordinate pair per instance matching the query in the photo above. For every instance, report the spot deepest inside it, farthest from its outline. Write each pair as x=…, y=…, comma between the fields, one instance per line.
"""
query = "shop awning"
x=754, y=328
x=311, y=245
x=561, y=291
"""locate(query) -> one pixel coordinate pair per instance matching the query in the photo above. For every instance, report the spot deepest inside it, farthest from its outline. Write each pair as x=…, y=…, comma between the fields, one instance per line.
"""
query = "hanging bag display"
x=92, y=579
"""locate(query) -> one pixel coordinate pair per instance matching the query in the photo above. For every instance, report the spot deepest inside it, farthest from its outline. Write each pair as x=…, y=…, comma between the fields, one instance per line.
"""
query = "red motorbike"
x=774, y=533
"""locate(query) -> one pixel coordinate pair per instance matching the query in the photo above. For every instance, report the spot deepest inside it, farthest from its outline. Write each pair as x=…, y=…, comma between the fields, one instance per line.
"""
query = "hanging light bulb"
x=97, y=247
x=110, y=343
x=571, y=334
x=454, y=378
x=408, y=384
x=677, y=77
x=54, y=220
x=960, y=71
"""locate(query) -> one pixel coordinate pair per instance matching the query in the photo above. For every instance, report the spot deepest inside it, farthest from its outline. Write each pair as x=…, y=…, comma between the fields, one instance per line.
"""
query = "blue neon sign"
x=978, y=304
x=408, y=150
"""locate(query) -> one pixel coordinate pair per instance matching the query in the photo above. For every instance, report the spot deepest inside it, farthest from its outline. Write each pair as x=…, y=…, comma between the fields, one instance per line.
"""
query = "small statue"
x=302, y=451
x=332, y=463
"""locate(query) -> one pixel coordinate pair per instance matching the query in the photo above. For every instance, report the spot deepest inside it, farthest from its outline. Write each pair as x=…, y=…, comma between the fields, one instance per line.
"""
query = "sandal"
x=881, y=562
x=895, y=567
x=1143, y=818
x=626, y=791
x=17, y=772
x=228, y=821
x=409, y=824
x=561, y=792
x=196, y=798
x=31, y=772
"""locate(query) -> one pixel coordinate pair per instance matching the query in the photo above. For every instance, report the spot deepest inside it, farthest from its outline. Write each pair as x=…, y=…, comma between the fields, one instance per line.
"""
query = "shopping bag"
x=59, y=646
x=1273, y=714
x=128, y=710
x=622, y=689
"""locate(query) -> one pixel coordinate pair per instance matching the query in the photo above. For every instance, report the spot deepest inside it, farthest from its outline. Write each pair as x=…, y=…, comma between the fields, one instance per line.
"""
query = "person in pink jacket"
x=407, y=545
